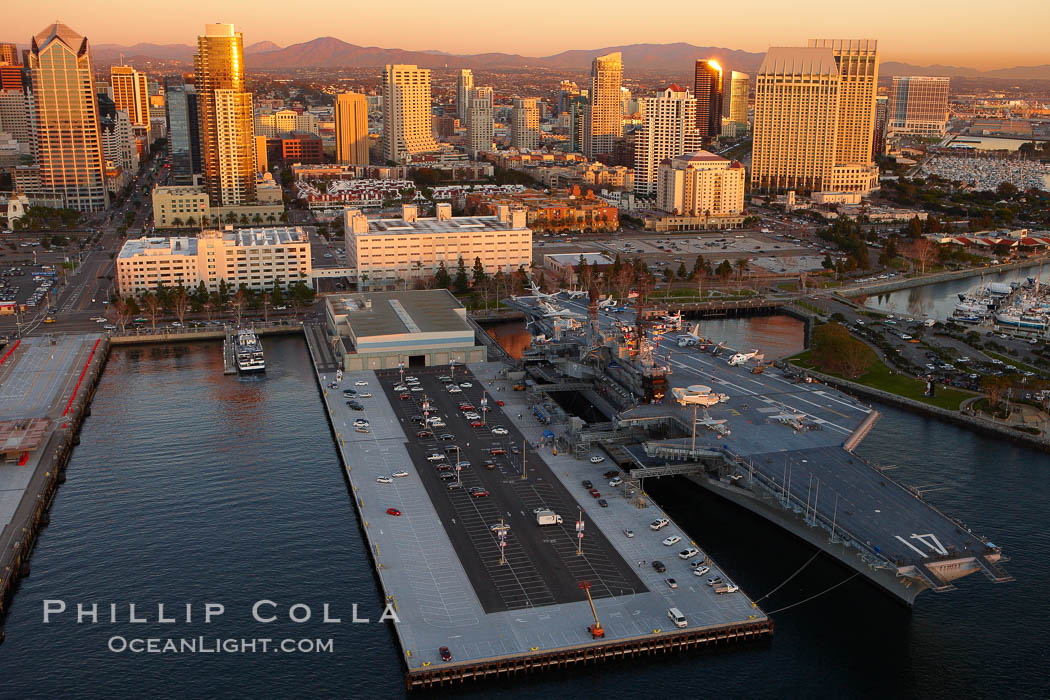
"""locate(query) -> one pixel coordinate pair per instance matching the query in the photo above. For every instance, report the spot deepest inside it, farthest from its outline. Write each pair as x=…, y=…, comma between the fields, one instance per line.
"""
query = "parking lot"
x=541, y=567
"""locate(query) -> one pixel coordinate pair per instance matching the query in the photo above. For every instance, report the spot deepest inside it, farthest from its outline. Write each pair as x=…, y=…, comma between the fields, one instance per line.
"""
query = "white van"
x=676, y=616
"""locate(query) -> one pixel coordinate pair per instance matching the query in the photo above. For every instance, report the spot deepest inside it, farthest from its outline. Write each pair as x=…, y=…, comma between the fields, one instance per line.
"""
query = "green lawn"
x=882, y=377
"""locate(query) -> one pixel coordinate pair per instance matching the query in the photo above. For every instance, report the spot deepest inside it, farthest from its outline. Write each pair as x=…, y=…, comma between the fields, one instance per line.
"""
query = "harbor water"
x=938, y=300
x=192, y=487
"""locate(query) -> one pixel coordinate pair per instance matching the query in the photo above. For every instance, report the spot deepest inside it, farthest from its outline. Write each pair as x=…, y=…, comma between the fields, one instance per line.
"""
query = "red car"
x=446, y=655
x=466, y=407
x=477, y=424
x=499, y=402
x=478, y=492
x=424, y=434
x=497, y=451
x=393, y=511
x=594, y=492
x=405, y=397
x=443, y=467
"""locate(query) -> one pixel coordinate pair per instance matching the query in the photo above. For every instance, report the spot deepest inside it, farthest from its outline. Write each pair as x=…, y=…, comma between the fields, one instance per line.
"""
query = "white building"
x=286, y=121
x=256, y=258
x=668, y=130
x=525, y=124
x=392, y=252
x=480, y=122
x=702, y=185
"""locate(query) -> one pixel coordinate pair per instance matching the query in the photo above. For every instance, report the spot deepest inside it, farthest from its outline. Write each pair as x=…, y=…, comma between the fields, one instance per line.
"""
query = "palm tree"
x=176, y=222
x=270, y=218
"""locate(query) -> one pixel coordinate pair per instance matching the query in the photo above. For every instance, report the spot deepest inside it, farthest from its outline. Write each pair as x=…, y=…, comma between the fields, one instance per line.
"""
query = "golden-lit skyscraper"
x=464, y=84
x=9, y=55
x=814, y=118
x=69, y=142
x=480, y=121
x=525, y=124
x=407, y=127
x=739, y=87
x=130, y=93
x=918, y=105
x=225, y=116
x=858, y=62
x=351, y=128
x=603, y=116
x=707, y=90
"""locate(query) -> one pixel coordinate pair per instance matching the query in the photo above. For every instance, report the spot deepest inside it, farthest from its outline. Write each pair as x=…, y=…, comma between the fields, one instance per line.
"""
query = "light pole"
x=452, y=369
x=401, y=369
x=579, y=533
x=459, y=469
x=524, y=473
x=484, y=410
x=501, y=534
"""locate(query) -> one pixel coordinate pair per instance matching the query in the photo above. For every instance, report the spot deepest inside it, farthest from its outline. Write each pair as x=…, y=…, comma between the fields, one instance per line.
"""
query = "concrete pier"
x=46, y=385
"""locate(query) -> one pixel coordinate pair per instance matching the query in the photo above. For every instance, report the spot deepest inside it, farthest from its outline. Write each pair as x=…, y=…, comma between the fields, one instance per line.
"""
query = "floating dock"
x=499, y=613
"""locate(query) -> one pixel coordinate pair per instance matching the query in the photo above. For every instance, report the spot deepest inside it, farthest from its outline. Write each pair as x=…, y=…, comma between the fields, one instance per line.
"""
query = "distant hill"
x=260, y=47
x=329, y=52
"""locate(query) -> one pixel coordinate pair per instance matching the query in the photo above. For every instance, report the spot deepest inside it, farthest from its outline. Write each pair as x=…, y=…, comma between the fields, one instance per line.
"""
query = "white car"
x=688, y=553
x=454, y=390
x=400, y=387
x=366, y=395
x=410, y=378
x=701, y=570
x=399, y=475
x=628, y=533
x=360, y=383
x=435, y=457
x=500, y=431
x=597, y=459
x=616, y=482
x=466, y=385
x=672, y=540
x=658, y=524
x=384, y=480
x=360, y=423
x=416, y=388
x=470, y=415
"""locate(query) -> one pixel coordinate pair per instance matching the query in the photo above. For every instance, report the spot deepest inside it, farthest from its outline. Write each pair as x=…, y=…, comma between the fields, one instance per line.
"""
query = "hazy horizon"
x=931, y=32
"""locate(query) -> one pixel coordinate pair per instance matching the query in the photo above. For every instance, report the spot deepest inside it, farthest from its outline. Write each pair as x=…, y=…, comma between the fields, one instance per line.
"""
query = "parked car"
x=393, y=511
x=597, y=459
x=384, y=480
x=400, y=474
x=659, y=567
x=688, y=553
x=672, y=540
x=446, y=655
x=628, y=532
x=659, y=523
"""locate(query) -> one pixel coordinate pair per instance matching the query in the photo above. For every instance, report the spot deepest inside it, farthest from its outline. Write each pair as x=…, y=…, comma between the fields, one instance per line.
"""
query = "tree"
x=266, y=306
x=1006, y=190
x=277, y=294
x=682, y=272
x=828, y=263
x=441, y=278
x=180, y=300
x=461, y=283
x=200, y=296
x=921, y=251
x=479, y=272
x=724, y=270
x=120, y=308
x=835, y=350
x=741, y=268
x=239, y=300
x=176, y=222
x=994, y=388
x=231, y=217
x=152, y=305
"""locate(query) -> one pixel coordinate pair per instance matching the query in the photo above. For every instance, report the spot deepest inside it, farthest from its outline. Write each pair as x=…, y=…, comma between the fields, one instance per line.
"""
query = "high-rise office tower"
x=707, y=89
x=576, y=108
x=9, y=55
x=566, y=91
x=858, y=63
x=813, y=126
x=68, y=148
x=918, y=105
x=118, y=137
x=603, y=118
x=130, y=93
x=225, y=117
x=878, y=144
x=351, y=128
x=407, y=127
x=525, y=124
x=480, y=122
x=464, y=84
x=180, y=136
x=668, y=129
x=739, y=87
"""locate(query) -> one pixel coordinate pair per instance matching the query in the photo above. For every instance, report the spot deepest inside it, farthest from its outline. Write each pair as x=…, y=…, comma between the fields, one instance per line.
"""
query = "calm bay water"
x=938, y=300
x=189, y=486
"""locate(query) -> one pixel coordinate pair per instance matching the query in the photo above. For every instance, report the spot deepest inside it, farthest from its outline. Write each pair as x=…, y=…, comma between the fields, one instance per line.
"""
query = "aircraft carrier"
x=759, y=435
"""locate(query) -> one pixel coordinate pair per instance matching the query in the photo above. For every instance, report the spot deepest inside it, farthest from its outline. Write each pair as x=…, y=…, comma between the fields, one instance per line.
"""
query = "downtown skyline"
x=994, y=42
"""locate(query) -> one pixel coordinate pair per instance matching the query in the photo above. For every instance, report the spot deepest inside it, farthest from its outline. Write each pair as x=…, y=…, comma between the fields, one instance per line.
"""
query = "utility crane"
x=596, y=630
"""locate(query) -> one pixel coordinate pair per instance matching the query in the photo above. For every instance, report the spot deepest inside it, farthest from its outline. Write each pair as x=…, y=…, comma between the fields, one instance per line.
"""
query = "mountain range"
x=329, y=52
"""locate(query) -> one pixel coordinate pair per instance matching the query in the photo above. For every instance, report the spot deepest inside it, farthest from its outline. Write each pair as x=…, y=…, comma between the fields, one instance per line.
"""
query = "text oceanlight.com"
x=215, y=645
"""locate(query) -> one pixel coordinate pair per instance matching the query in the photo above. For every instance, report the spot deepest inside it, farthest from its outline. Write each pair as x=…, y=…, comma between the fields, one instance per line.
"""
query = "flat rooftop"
x=439, y=559
x=457, y=224
x=393, y=313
